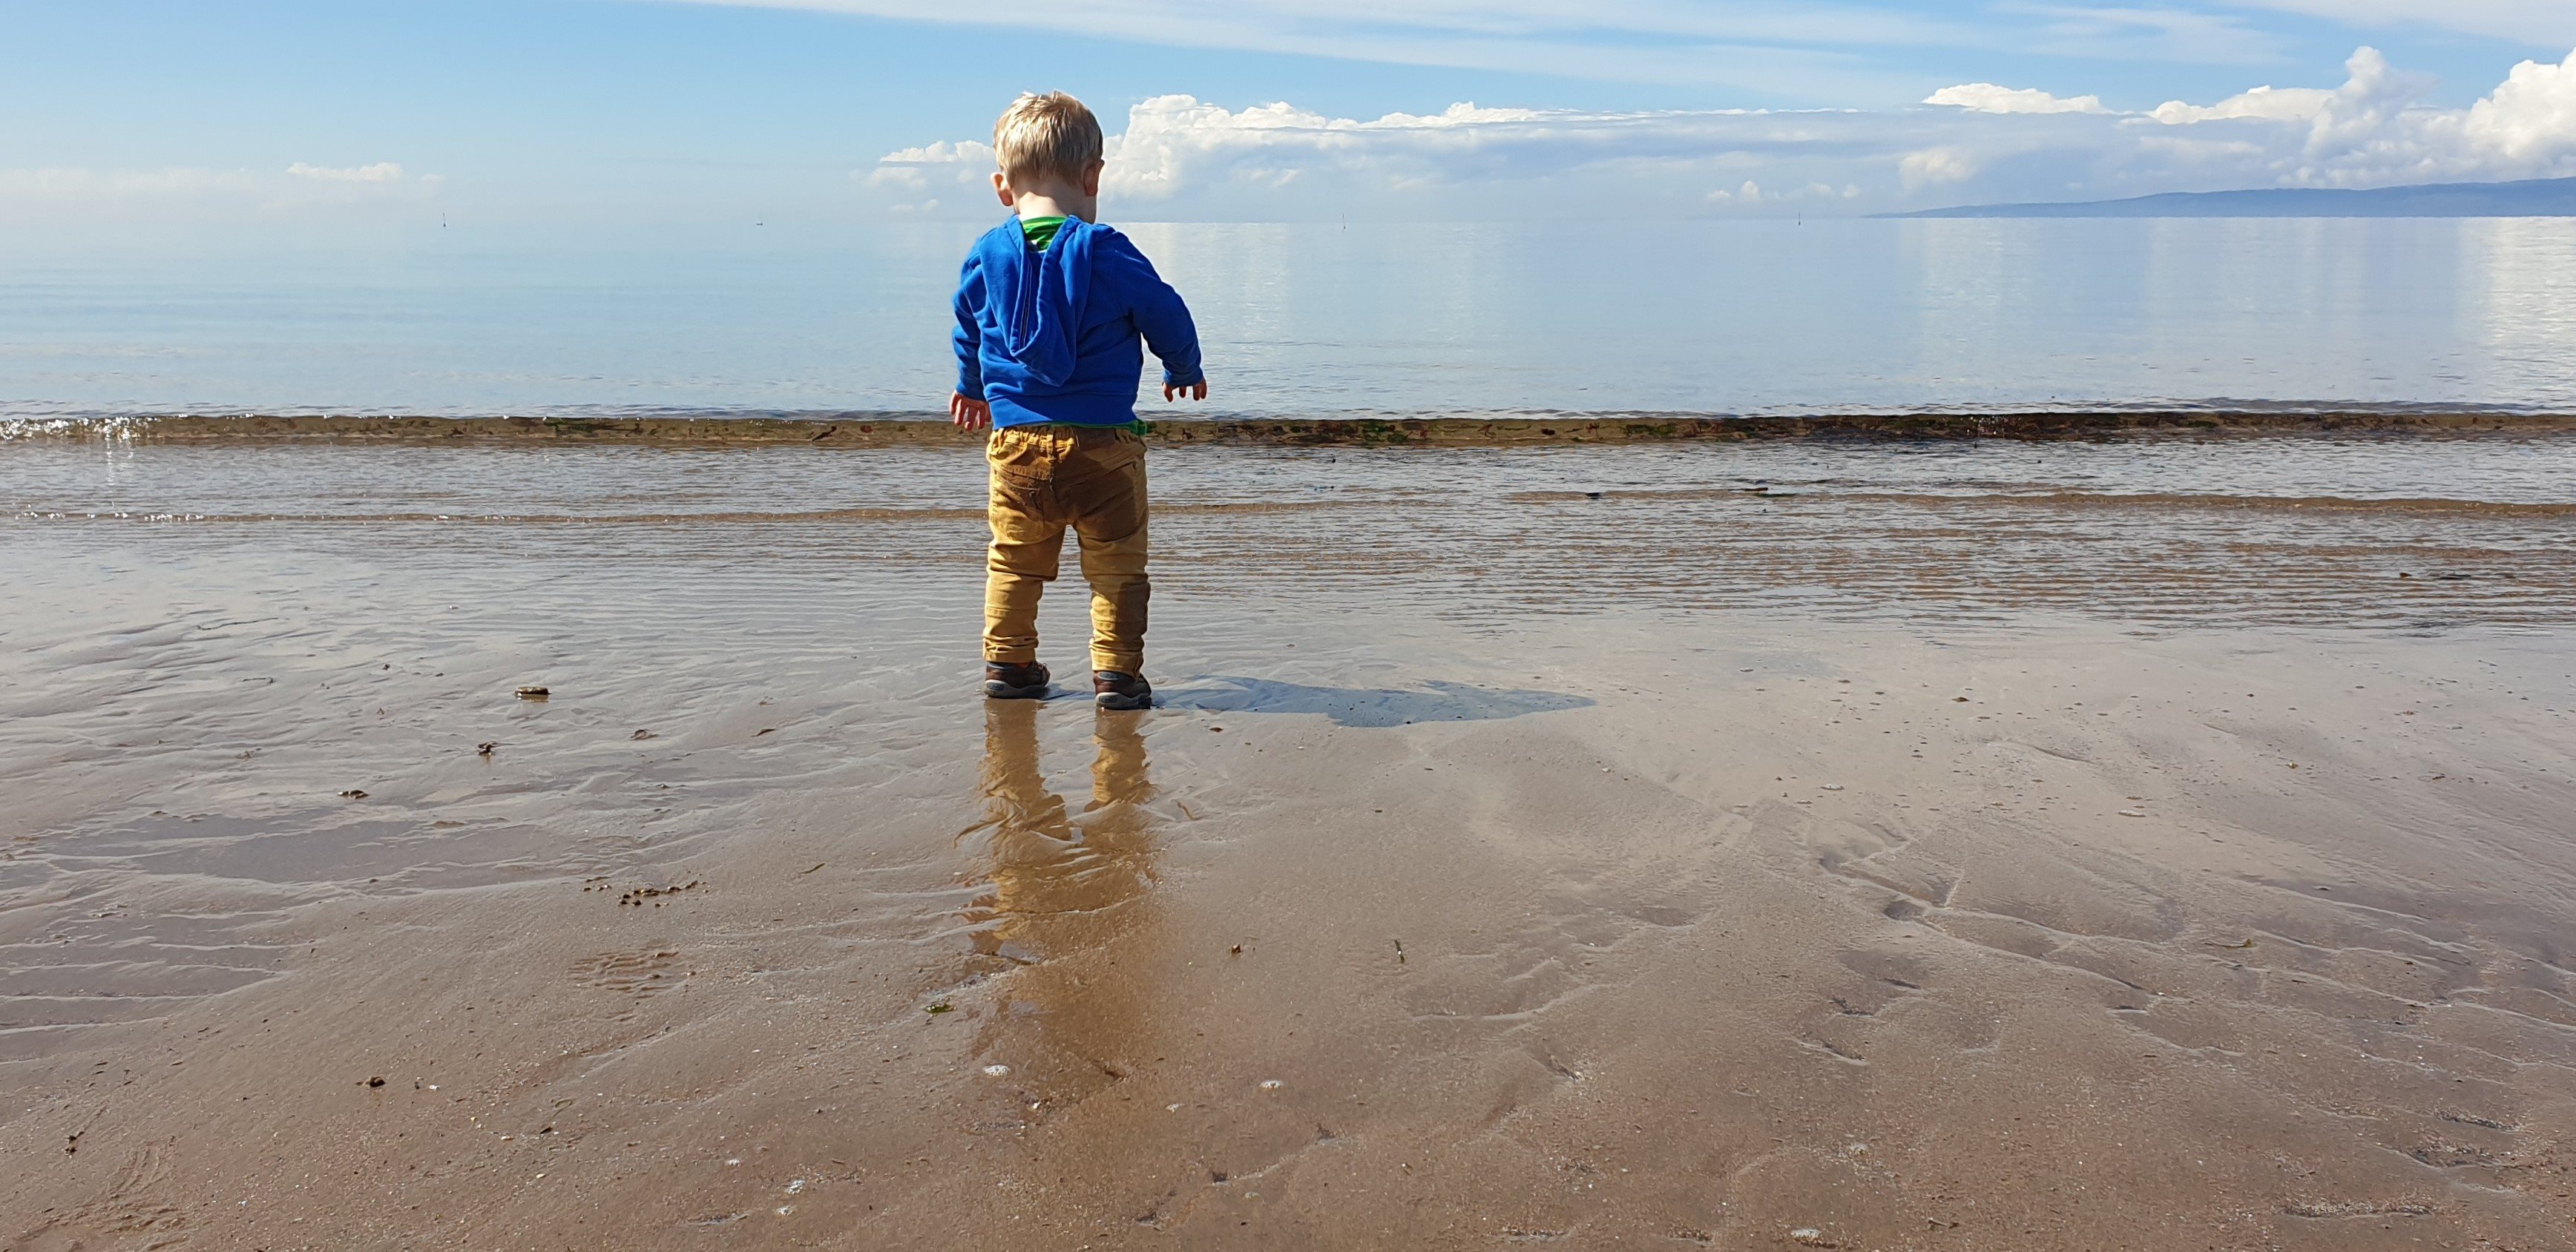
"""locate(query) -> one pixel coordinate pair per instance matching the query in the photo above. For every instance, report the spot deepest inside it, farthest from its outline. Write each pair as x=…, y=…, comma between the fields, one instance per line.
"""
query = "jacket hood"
x=1036, y=297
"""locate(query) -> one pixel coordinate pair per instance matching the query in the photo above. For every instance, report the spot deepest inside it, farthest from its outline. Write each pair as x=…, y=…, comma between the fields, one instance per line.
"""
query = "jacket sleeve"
x=1159, y=314
x=969, y=335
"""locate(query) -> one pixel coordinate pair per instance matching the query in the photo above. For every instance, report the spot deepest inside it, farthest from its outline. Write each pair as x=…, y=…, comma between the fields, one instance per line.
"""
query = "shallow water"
x=2375, y=532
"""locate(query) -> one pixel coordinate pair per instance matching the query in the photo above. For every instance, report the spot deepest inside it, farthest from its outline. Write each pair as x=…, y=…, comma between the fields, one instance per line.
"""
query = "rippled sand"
x=1988, y=847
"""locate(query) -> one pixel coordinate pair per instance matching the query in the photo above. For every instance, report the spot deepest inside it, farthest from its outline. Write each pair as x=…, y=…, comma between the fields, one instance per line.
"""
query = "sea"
x=1329, y=319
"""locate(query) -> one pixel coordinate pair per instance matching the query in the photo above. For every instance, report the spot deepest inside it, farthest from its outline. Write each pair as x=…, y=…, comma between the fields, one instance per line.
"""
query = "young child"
x=1050, y=309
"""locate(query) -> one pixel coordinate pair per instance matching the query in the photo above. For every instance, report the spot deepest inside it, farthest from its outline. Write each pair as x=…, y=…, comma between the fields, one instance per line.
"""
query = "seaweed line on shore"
x=874, y=432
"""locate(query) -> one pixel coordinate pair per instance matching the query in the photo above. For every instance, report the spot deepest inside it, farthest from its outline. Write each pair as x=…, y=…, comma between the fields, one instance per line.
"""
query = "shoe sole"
x=1116, y=703
x=995, y=689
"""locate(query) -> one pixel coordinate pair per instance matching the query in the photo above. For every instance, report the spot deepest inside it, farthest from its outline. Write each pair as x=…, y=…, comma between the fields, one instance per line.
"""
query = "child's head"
x=1047, y=145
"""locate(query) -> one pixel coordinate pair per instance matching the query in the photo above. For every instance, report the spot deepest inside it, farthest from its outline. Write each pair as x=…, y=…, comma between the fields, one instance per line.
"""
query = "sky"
x=289, y=117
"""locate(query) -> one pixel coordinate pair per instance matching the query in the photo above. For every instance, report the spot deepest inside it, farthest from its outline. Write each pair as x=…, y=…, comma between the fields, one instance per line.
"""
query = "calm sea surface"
x=1321, y=320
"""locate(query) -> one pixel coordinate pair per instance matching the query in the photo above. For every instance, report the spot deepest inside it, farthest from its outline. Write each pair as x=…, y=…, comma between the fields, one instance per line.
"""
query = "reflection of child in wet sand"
x=1051, y=309
x=1059, y=881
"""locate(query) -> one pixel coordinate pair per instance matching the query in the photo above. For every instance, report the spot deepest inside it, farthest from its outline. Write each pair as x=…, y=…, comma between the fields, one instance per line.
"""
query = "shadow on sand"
x=1363, y=706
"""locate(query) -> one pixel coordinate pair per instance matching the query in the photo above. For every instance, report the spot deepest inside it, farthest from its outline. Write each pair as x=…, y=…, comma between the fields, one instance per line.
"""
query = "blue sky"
x=277, y=112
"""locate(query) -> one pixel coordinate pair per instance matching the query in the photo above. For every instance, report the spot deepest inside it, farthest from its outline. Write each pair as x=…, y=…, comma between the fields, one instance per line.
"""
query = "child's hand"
x=1195, y=391
x=972, y=414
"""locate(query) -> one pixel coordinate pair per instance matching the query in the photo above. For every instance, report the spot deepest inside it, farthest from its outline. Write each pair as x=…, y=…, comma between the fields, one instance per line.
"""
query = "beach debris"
x=532, y=693
x=767, y=730
x=644, y=734
x=817, y=865
x=1399, y=952
x=2247, y=944
x=1214, y=729
x=1810, y=1237
x=353, y=794
x=1271, y=1084
x=941, y=1007
x=71, y=1144
x=1236, y=950
x=377, y=1081
x=2133, y=812
x=1958, y=699
x=1833, y=786
x=638, y=895
x=795, y=1185
x=997, y=1071
x=485, y=748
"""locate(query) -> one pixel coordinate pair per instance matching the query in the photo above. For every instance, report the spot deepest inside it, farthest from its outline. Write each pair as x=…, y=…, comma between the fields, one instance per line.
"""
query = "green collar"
x=1041, y=230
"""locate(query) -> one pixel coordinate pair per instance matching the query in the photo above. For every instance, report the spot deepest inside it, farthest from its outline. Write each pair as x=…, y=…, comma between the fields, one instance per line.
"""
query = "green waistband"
x=1137, y=428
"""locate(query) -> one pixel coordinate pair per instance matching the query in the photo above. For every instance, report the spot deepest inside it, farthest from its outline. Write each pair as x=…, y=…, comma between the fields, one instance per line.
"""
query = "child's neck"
x=1037, y=204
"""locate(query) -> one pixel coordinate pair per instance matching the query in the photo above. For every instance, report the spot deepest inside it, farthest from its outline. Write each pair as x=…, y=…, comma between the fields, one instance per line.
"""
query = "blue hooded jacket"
x=1054, y=336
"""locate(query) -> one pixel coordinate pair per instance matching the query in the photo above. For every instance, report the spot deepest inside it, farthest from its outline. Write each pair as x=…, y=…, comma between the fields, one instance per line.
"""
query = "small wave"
x=722, y=517
x=2078, y=499
x=2220, y=500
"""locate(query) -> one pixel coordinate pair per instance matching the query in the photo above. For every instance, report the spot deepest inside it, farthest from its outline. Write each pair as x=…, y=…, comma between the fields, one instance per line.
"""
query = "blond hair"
x=1046, y=134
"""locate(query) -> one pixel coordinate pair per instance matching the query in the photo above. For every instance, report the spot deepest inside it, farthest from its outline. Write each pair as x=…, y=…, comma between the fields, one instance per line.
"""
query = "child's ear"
x=1002, y=188
x=1091, y=178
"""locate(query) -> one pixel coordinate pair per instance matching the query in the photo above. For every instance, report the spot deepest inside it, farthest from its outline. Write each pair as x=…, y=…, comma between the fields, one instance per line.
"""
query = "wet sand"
x=1726, y=873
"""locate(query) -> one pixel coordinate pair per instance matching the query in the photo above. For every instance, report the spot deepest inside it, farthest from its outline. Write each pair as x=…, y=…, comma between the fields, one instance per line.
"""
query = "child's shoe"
x=1015, y=682
x=1113, y=690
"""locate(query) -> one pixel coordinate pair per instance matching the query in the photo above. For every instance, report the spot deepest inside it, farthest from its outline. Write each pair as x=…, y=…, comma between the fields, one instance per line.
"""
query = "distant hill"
x=2545, y=197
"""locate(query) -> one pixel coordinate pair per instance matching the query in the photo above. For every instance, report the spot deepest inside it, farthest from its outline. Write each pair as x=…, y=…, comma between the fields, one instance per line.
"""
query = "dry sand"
x=1397, y=929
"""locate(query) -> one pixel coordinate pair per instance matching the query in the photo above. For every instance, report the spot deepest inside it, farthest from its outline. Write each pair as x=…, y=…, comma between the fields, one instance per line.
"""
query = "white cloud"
x=2373, y=131
x=2531, y=117
x=1179, y=156
x=380, y=172
x=1934, y=166
x=962, y=152
x=2294, y=104
x=1172, y=139
x=1989, y=98
x=909, y=172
